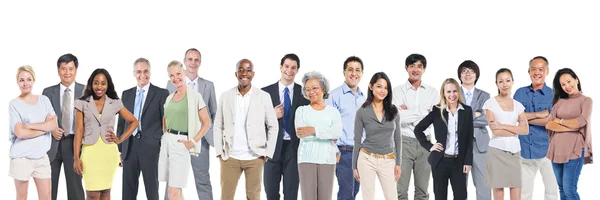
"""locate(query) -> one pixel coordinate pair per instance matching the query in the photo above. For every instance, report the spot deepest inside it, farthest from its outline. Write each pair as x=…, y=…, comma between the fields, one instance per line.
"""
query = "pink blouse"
x=565, y=146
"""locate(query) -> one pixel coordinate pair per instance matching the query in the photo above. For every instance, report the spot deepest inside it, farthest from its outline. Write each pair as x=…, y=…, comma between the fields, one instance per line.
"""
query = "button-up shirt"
x=346, y=102
x=286, y=135
x=535, y=144
x=417, y=102
x=144, y=95
x=72, y=106
x=240, y=147
x=451, y=147
x=192, y=83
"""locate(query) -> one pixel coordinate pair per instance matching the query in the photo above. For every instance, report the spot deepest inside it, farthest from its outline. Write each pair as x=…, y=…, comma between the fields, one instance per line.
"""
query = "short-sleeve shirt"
x=24, y=113
x=506, y=143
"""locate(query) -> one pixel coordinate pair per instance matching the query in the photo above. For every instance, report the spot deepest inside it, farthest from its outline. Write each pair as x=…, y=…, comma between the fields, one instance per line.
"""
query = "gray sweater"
x=380, y=137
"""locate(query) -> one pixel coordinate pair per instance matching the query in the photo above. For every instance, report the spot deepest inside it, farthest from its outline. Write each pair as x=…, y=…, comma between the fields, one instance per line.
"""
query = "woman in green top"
x=184, y=129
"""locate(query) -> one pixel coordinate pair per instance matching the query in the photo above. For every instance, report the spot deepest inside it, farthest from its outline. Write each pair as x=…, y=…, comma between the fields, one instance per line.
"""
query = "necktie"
x=66, y=112
x=287, y=111
x=192, y=84
x=469, y=97
x=137, y=109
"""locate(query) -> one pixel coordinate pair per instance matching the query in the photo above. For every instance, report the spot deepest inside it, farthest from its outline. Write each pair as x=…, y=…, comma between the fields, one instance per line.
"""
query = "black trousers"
x=286, y=166
x=142, y=158
x=449, y=168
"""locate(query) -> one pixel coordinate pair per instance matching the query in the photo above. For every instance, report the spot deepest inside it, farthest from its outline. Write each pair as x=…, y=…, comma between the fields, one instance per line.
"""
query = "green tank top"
x=176, y=113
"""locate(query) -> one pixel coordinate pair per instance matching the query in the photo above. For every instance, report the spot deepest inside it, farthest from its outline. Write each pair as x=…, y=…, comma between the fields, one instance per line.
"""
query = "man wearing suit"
x=287, y=95
x=468, y=73
x=140, y=152
x=242, y=143
x=201, y=163
x=62, y=97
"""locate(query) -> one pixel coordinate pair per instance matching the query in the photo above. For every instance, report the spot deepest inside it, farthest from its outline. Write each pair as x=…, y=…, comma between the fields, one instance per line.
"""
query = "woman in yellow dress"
x=95, y=119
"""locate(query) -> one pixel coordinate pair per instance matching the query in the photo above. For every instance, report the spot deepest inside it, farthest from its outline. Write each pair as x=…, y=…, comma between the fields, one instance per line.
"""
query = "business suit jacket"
x=53, y=93
x=260, y=113
x=297, y=101
x=207, y=89
x=482, y=137
x=150, y=117
x=465, y=134
x=94, y=125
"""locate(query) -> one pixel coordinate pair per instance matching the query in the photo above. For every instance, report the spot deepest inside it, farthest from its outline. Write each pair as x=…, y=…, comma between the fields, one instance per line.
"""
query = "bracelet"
x=561, y=121
x=193, y=141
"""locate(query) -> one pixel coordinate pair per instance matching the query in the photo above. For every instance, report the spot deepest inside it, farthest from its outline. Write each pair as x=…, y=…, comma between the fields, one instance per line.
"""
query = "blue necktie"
x=137, y=108
x=469, y=98
x=287, y=111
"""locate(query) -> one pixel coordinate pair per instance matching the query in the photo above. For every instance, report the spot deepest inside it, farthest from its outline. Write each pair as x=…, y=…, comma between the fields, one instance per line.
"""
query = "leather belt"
x=177, y=132
x=386, y=156
x=346, y=148
x=450, y=156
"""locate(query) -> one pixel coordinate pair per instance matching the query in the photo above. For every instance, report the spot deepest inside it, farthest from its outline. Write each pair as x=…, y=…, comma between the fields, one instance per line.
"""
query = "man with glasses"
x=347, y=99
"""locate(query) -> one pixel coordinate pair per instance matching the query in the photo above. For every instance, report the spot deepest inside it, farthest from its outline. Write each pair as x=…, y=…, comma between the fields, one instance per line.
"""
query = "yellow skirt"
x=100, y=162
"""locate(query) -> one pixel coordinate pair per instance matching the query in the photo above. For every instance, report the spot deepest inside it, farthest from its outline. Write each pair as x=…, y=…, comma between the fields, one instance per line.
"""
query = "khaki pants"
x=231, y=170
x=369, y=168
x=529, y=168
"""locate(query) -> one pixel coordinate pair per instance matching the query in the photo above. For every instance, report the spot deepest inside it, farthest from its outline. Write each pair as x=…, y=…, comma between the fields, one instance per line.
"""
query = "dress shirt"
x=240, y=147
x=286, y=135
x=451, y=147
x=535, y=144
x=346, y=102
x=72, y=106
x=417, y=102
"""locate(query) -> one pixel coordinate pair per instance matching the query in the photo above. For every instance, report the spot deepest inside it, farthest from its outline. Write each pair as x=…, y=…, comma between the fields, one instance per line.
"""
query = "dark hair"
x=389, y=110
x=89, y=91
x=353, y=59
x=469, y=64
x=413, y=58
x=292, y=57
x=502, y=70
x=192, y=49
x=558, y=92
x=67, y=58
x=539, y=57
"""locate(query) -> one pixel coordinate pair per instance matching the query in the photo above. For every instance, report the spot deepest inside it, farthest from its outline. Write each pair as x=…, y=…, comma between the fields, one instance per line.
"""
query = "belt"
x=450, y=156
x=69, y=136
x=386, y=156
x=346, y=148
x=176, y=132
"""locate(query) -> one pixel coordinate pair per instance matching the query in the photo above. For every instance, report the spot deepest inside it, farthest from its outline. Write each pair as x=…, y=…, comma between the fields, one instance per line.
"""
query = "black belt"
x=177, y=132
x=346, y=148
x=450, y=156
x=69, y=136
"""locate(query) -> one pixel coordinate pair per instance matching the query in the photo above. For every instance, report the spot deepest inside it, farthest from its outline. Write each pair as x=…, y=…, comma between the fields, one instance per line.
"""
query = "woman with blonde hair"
x=452, y=156
x=31, y=119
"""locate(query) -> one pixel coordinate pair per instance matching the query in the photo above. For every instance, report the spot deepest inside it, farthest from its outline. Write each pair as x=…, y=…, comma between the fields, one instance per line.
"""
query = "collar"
x=146, y=87
x=282, y=87
x=545, y=89
x=465, y=90
x=408, y=85
x=237, y=91
x=63, y=87
x=188, y=80
x=346, y=89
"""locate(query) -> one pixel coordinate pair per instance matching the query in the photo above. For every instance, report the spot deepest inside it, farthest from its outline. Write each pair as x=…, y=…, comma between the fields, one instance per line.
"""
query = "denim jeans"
x=567, y=176
x=348, y=186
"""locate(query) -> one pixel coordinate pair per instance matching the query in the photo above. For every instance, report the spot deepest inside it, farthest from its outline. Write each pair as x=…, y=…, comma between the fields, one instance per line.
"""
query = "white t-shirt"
x=506, y=143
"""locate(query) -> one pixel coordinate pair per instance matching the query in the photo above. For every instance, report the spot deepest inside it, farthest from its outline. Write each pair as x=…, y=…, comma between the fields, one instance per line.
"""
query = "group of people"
x=301, y=135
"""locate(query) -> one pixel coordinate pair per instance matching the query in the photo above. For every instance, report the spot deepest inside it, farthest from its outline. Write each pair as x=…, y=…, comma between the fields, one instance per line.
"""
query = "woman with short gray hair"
x=318, y=126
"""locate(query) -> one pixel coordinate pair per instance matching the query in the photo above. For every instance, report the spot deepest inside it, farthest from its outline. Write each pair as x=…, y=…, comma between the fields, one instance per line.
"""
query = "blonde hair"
x=175, y=64
x=443, y=102
x=26, y=68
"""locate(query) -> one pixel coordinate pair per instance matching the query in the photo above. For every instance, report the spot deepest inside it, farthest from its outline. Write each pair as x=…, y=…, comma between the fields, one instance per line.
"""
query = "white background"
x=323, y=34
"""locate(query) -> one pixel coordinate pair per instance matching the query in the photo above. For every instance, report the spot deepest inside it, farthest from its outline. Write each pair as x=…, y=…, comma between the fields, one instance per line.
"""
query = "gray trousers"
x=316, y=181
x=483, y=192
x=200, y=166
x=414, y=159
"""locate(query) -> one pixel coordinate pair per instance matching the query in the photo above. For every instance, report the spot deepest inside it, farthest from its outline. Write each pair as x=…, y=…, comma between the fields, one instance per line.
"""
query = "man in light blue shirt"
x=347, y=99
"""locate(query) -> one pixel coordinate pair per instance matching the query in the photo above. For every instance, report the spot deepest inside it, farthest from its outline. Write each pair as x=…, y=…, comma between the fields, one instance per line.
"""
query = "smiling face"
x=468, y=76
x=245, y=73
x=451, y=94
x=380, y=89
x=504, y=82
x=192, y=62
x=141, y=72
x=352, y=74
x=67, y=73
x=99, y=85
x=537, y=72
x=569, y=84
x=25, y=82
x=289, y=69
x=176, y=76
x=415, y=71
x=313, y=90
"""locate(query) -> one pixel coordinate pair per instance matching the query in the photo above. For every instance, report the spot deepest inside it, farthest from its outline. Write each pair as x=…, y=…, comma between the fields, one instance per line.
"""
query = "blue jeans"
x=567, y=176
x=348, y=186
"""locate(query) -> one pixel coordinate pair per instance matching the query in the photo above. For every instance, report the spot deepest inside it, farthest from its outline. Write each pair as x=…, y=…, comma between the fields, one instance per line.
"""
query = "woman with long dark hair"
x=451, y=157
x=380, y=152
x=95, y=120
x=570, y=136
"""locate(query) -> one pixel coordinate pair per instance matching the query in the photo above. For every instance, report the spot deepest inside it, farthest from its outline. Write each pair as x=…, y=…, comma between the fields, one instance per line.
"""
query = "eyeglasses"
x=309, y=90
x=467, y=71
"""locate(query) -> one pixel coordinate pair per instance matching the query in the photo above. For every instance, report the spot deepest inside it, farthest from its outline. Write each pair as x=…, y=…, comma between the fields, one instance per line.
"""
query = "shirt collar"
x=465, y=90
x=347, y=89
x=408, y=85
x=282, y=87
x=145, y=88
x=188, y=80
x=71, y=87
x=237, y=91
x=545, y=89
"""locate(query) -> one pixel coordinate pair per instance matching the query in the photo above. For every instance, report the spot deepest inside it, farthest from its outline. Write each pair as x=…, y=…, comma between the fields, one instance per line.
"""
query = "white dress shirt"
x=451, y=147
x=192, y=83
x=286, y=135
x=240, y=149
x=72, y=106
x=146, y=88
x=417, y=102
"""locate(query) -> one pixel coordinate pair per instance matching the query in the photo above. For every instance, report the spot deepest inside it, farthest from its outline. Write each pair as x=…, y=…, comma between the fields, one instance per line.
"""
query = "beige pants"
x=231, y=170
x=370, y=168
x=529, y=168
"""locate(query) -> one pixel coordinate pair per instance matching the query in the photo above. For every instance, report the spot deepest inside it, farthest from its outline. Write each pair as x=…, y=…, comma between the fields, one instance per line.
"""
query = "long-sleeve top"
x=318, y=148
x=565, y=146
x=381, y=137
x=346, y=102
x=417, y=102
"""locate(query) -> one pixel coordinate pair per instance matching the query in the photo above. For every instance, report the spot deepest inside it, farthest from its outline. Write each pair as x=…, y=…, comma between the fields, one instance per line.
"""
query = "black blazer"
x=151, y=119
x=297, y=101
x=465, y=134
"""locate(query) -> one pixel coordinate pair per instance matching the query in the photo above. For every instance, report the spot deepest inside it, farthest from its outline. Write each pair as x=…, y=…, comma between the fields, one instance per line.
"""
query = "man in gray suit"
x=200, y=164
x=62, y=97
x=140, y=152
x=468, y=72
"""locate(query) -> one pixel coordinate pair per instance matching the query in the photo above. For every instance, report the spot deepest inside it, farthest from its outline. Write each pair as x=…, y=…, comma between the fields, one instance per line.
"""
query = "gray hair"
x=322, y=82
x=139, y=60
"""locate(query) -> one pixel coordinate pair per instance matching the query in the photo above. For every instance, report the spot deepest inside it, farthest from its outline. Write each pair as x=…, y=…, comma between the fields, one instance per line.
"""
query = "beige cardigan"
x=195, y=103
